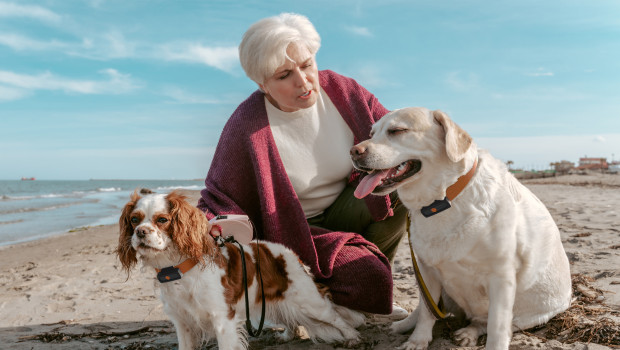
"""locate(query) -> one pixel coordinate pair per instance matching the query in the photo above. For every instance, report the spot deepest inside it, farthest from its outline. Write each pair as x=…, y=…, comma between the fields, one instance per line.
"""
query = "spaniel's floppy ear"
x=126, y=253
x=190, y=228
x=458, y=140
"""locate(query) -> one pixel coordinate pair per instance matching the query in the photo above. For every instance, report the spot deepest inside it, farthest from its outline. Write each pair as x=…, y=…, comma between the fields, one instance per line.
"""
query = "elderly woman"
x=283, y=160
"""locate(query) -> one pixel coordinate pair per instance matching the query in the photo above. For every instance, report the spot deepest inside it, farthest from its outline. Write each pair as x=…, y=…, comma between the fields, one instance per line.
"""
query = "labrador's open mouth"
x=379, y=180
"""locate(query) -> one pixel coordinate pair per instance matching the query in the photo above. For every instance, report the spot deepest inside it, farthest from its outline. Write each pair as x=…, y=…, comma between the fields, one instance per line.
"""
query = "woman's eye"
x=283, y=76
x=162, y=220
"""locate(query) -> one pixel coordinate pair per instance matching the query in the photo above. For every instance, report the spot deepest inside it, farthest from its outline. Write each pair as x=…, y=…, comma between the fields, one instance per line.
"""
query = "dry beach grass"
x=69, y=292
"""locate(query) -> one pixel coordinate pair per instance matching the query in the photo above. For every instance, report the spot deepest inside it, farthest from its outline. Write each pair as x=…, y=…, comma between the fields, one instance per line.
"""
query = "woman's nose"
x=300, y=77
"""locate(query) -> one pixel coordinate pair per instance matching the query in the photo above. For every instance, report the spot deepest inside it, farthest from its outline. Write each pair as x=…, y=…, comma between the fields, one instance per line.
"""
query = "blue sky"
x=141, y=89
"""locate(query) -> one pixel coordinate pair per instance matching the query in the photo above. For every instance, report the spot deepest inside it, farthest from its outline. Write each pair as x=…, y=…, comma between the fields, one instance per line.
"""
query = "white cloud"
x=182, y=96
x=8, y=9
x=543, y=93
x=540, y=72
x=137, y=152
x=599, y=138
x=361, y=31
x=113, y=45
x=96, y=3
x=462, y=81
x=10, y=93
x=117, y=46
x=109, y=45
x=117, y=82
x=371, y=74
x=21, y=43
x=371, y=77
x=223, y=58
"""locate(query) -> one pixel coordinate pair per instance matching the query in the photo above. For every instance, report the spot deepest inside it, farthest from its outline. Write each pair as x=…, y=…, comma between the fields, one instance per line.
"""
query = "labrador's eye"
x=396, y=131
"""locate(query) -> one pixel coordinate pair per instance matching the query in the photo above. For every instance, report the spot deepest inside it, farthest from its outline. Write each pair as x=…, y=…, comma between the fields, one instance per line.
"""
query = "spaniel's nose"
x=141, y=231
x=357, y=152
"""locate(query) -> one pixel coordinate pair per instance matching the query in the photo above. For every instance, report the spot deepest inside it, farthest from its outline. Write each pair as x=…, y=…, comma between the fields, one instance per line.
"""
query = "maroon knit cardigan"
x=248, y=177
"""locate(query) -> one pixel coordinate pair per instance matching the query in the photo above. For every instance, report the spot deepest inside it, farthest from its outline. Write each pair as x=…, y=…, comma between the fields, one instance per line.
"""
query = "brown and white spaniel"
x=202, y=289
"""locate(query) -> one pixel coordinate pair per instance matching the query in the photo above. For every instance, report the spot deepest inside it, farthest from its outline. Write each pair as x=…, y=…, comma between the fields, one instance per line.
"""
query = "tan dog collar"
x=173, y=273
x=451, y=192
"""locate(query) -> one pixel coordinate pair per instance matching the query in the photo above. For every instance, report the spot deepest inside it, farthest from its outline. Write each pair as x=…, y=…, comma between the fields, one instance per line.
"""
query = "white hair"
x=263, y=47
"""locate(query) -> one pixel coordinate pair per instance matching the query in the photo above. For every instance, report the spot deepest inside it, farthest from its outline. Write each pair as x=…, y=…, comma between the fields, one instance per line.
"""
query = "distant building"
x=563, y=167
x=593, y=164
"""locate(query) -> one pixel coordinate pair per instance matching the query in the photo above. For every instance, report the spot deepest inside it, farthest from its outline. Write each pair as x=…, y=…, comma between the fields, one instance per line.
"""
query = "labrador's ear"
x=457, y=140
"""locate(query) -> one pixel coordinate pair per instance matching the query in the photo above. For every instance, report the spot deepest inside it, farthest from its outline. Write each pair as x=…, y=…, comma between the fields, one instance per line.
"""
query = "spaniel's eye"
x=134, y=220
x=396, y=131
x=162, y=220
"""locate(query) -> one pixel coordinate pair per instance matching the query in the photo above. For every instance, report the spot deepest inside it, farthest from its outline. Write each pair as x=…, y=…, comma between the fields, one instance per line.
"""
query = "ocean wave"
x=47, y=208
x=109, y=189
x=51, y=195
x=17, y=198
x=11, y=222
x=170, y=188
x=42, y=196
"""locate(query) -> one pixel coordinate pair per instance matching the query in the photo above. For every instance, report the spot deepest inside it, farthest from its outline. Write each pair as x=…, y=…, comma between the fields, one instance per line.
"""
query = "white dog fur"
x=496, y=252
x=207, y=302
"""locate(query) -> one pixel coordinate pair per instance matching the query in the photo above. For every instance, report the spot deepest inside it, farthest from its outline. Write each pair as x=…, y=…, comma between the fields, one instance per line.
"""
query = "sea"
x=34, y=209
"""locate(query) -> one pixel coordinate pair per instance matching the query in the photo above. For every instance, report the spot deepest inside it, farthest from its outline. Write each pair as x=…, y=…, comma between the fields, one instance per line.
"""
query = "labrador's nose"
x=357, y=152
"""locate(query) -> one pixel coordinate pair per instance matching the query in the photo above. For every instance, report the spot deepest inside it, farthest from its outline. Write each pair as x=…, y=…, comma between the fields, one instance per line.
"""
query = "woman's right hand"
x=215, y=231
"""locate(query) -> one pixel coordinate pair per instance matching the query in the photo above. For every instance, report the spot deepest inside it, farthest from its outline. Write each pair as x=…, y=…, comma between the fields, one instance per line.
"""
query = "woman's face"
x=294, y=85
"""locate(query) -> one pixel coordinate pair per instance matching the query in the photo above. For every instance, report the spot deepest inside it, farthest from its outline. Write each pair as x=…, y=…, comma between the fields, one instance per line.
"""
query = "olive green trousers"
x=350, y=214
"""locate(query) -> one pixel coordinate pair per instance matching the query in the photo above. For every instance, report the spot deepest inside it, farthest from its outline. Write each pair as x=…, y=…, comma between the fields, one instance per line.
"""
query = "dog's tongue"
x=368, y=183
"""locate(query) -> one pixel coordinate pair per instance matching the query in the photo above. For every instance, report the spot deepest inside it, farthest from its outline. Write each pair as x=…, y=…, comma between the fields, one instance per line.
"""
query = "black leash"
x=248, y=324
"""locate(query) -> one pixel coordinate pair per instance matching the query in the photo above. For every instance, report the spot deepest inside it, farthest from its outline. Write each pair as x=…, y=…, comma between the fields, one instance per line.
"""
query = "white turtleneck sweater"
x=314, y=146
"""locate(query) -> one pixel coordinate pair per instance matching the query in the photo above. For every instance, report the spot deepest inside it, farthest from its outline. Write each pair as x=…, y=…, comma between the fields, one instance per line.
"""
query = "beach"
x=68, y=291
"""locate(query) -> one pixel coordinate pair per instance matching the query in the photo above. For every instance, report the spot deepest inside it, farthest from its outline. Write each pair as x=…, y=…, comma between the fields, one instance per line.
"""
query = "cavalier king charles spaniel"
x=202, y=282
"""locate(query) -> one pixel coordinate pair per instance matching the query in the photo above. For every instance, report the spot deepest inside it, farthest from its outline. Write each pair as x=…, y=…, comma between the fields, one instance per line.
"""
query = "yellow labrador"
x=492, y=246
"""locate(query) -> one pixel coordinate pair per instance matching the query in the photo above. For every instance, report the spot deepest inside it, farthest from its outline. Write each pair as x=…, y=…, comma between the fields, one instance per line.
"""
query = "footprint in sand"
x=62, y=306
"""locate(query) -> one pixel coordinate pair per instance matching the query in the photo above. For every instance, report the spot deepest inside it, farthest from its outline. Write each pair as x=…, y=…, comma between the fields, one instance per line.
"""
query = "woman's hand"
x=215, y=231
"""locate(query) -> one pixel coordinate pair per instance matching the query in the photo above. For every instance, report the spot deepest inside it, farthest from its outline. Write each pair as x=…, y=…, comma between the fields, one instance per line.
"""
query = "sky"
x=141, y=89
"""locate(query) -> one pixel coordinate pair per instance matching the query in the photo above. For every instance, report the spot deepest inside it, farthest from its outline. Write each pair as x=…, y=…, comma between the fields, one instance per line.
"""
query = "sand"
x=68, y=291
